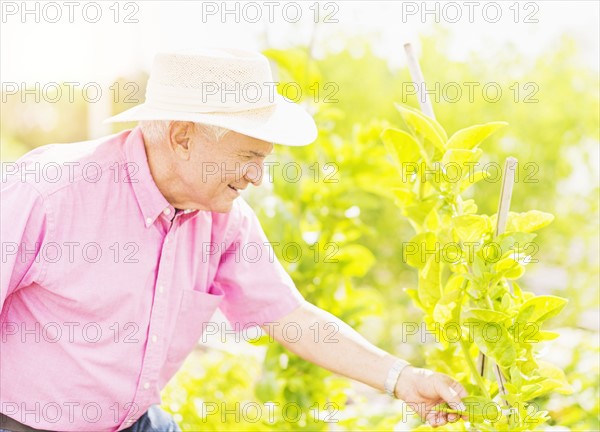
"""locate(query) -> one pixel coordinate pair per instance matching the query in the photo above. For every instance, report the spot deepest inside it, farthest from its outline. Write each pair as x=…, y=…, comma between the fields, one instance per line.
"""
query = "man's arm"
x=351, y=355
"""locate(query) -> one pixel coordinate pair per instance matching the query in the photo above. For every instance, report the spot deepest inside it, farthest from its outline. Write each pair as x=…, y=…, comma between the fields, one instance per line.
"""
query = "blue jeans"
x=154, y=420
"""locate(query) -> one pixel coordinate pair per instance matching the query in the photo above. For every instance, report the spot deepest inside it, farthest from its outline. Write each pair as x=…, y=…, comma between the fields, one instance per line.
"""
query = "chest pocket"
x=196, y=309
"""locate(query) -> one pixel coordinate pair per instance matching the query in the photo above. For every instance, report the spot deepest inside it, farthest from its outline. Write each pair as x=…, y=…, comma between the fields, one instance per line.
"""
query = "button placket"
x=152, y=357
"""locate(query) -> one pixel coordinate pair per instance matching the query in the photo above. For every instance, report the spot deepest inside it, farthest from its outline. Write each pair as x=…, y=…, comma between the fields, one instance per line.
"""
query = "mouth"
x=234, y=189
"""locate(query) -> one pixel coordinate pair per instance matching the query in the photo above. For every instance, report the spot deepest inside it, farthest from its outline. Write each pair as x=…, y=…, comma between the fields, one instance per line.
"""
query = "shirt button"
x=161, y=289
x=146, y=385
x=154, y=338
x=148, y=221
x=167, y=211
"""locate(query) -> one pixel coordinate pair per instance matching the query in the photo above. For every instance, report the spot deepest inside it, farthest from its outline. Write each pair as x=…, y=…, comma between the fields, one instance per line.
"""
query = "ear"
x=181, y=138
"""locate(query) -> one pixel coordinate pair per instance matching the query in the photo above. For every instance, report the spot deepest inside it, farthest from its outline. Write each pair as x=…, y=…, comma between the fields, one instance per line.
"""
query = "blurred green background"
x=556, y=132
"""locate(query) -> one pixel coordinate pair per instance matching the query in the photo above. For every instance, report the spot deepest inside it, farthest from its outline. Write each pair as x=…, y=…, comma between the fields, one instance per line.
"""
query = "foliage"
x=467, y=274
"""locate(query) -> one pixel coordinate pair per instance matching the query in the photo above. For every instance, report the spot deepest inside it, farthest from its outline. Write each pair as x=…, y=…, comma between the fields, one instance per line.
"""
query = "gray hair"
x=156, y=130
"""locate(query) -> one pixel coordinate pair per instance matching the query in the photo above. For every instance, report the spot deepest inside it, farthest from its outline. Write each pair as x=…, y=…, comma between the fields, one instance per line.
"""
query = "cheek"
x=198, y=177
x=231, y=173
x=205, y=177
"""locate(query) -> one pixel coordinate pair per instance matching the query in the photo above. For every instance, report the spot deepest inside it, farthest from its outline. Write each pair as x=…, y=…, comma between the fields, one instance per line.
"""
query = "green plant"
x=467, y=275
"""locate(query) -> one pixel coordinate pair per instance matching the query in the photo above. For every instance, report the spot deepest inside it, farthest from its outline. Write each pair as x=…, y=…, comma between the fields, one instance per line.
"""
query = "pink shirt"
x=105, y=287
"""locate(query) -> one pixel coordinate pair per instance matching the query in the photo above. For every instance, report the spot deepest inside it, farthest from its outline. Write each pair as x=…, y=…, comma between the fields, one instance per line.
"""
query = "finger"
x=462, y=392
x=451, y=396
x=452, y=418
x=434, y=418
x=441, y=418
x=431, y=419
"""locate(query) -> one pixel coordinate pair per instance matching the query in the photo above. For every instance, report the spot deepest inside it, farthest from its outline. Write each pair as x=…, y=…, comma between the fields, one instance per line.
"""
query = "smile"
x=237, y=192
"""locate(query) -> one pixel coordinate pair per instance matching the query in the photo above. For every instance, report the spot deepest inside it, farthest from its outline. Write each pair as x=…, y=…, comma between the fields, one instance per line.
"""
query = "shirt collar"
x=151, y=201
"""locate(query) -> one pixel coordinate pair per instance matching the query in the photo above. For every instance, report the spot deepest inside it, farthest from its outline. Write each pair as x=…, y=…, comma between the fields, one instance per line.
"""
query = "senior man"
x=106, y=281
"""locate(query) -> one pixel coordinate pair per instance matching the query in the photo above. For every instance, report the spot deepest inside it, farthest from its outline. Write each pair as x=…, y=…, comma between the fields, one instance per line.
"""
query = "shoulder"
x=52, y=167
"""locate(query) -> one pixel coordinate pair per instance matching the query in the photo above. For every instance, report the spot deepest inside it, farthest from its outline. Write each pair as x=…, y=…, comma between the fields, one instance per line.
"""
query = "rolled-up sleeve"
x=257, y=288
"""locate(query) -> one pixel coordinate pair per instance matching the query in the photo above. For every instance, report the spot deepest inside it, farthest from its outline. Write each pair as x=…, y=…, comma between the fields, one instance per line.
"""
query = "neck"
x=163, y=174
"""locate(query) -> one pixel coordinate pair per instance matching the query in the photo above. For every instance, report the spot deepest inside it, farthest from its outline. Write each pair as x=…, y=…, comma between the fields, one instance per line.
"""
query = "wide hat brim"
x=284, y=122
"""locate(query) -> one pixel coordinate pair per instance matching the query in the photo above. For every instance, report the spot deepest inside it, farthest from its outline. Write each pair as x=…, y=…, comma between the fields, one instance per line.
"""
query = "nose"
x=253, y=172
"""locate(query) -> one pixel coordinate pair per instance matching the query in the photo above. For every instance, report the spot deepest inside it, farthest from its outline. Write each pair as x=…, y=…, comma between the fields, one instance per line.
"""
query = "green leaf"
x=517, y=291
x=403, y=148
x=479, y=266
x=404, y=197
x=511, y=240
x=470, y=180
x=507, y=302
x=493, y=340
x=418, y=212
x=432, y=221
x=509, y=268
x=532, y=220
x=429, y=283
x=469, y=206
x=417, y=249
x=491, y=252
x=421, y=125
x=471, y=228
x=472, y=136
x=451, y=253
x=445, y=309
x=459, y=164
x=488, y=315
x=434, y=123
x=544, y=335
x=540, y=308
x=554, y=380
x=516, y=377
x=462, y=157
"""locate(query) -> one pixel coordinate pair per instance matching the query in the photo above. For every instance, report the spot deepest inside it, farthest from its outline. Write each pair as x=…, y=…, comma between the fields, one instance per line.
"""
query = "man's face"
x=213, y=173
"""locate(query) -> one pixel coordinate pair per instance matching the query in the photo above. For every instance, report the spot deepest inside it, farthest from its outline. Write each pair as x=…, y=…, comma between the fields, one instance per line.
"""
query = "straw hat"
x=230, y=88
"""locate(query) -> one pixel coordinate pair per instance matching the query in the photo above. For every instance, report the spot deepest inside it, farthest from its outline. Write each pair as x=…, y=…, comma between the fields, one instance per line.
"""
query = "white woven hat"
x=230, y=88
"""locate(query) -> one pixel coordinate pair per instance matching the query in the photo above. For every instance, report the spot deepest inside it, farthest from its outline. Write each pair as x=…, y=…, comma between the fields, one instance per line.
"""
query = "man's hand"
x=423, y=389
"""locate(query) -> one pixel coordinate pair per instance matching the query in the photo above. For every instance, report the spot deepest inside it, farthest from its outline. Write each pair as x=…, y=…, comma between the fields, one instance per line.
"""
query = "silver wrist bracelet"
x=393, y=375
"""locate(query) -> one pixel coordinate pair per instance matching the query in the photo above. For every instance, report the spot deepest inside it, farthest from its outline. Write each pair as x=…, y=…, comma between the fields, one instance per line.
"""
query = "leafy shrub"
x=467, y=275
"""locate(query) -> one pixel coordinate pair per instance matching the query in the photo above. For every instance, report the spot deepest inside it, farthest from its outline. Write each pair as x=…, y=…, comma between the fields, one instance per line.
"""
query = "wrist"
x=393, y=377
x=404, y=383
